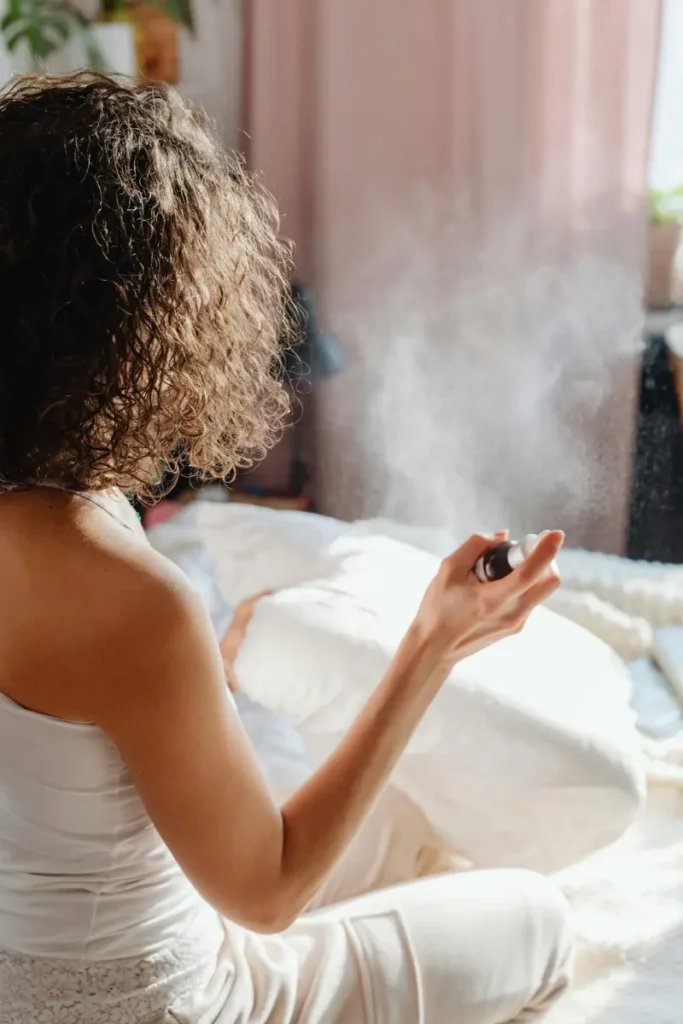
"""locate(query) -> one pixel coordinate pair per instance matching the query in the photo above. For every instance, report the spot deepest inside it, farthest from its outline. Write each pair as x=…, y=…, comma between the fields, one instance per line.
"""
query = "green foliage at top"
x=44, y=26
x=666, y=205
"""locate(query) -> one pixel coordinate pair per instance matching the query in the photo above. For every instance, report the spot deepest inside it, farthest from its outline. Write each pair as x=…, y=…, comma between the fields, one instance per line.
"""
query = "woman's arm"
x=161, y=697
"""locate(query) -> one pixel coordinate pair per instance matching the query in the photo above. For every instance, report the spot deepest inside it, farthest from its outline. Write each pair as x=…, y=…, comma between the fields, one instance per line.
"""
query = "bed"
x=532, y=755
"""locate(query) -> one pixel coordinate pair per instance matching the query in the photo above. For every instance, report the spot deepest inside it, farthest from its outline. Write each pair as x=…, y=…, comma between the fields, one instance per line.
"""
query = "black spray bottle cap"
x=500, y=559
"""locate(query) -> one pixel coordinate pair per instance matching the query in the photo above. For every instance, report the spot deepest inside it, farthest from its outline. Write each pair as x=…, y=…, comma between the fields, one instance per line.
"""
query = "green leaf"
x=65, y=10
x=13, y=41
x=181, y=11
x=46, y=25
x=666, y=205
x=11, y=18
x=40, y=45
x=112, y=6
x=93, y=53
x=59, y=26
x=94, y=56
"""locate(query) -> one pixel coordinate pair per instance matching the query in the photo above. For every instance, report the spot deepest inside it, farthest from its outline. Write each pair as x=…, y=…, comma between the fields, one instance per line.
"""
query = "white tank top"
x=84, y=875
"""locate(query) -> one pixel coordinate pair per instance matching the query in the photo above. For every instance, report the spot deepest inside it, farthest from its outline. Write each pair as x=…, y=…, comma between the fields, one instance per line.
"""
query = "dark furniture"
x=656, y=512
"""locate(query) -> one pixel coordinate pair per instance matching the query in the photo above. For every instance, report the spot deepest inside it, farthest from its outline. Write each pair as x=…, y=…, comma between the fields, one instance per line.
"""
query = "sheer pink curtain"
x=464, y=180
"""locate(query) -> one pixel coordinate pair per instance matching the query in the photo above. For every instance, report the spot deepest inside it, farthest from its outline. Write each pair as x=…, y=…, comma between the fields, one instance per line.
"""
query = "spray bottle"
x=500, y=559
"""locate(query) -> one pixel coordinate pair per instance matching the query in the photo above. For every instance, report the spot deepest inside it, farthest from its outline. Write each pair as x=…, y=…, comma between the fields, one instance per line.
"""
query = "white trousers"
x=470, y=947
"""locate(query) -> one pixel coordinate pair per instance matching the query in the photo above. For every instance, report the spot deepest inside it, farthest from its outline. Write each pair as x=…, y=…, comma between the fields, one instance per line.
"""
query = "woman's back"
x=95, y=913
x=83, y=872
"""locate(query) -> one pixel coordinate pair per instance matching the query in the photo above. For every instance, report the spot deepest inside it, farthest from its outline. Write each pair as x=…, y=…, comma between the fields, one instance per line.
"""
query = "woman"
x=145, y=873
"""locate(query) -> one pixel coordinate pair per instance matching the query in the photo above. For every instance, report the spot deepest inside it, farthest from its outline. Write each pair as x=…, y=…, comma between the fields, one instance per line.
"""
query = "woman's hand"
x=459, y=615
x=234, y=637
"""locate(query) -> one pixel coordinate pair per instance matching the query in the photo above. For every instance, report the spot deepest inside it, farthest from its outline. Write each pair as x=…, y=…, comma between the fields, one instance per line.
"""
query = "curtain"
x=465, y=183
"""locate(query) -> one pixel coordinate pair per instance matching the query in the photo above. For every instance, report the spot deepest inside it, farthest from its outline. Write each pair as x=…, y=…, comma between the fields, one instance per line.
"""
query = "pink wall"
x=432, y=160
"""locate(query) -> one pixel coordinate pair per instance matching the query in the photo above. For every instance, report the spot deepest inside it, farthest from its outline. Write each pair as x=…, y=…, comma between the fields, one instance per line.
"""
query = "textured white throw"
x=628, y=902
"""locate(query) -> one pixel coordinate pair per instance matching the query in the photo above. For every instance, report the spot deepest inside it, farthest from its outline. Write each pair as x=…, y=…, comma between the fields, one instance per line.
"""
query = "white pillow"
x=529, y=756
x=255, y=549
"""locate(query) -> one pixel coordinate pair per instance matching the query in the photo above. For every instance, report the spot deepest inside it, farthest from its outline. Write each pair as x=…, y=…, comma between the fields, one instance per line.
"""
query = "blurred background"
x=486, y=198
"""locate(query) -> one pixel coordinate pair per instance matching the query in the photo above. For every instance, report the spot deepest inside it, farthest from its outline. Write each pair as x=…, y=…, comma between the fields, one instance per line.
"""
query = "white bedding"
x=528, y=756
x=628, y=897
x=628, y=906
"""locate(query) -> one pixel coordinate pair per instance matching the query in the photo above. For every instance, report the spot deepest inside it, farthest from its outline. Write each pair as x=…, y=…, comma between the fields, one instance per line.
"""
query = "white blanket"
x=628, y=898
x=628, y=905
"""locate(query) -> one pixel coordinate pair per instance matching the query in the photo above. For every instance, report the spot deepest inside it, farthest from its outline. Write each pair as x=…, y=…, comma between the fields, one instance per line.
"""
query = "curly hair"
x=142, y=288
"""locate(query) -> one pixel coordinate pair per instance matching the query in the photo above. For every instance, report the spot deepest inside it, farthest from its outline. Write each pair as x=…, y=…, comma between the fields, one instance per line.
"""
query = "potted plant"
x=41, y=31
x=155, y=24
x=665, y=277
x=179, y=11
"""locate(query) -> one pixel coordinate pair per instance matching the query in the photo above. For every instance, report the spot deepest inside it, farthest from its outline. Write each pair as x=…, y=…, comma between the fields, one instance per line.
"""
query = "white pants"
x=383, y=944
x=471, y=947
x=480, y=947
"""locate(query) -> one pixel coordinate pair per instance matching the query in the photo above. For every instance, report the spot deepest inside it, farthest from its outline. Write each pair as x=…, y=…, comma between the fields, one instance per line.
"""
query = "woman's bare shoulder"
x=101, y=605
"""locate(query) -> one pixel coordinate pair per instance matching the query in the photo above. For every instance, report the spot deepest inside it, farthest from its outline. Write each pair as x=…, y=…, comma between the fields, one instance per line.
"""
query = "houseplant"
x=155, y=26
x=41, y=29
x=665, y=277
x=179, y=11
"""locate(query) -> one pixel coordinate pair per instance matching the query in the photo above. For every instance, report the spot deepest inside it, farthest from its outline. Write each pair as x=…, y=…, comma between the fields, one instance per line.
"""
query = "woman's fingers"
x=515, y=620
x=234, y=634
x=462, y=561
x=534, y=596
x=231, y=678
x=249, y=603
x=536, y=566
